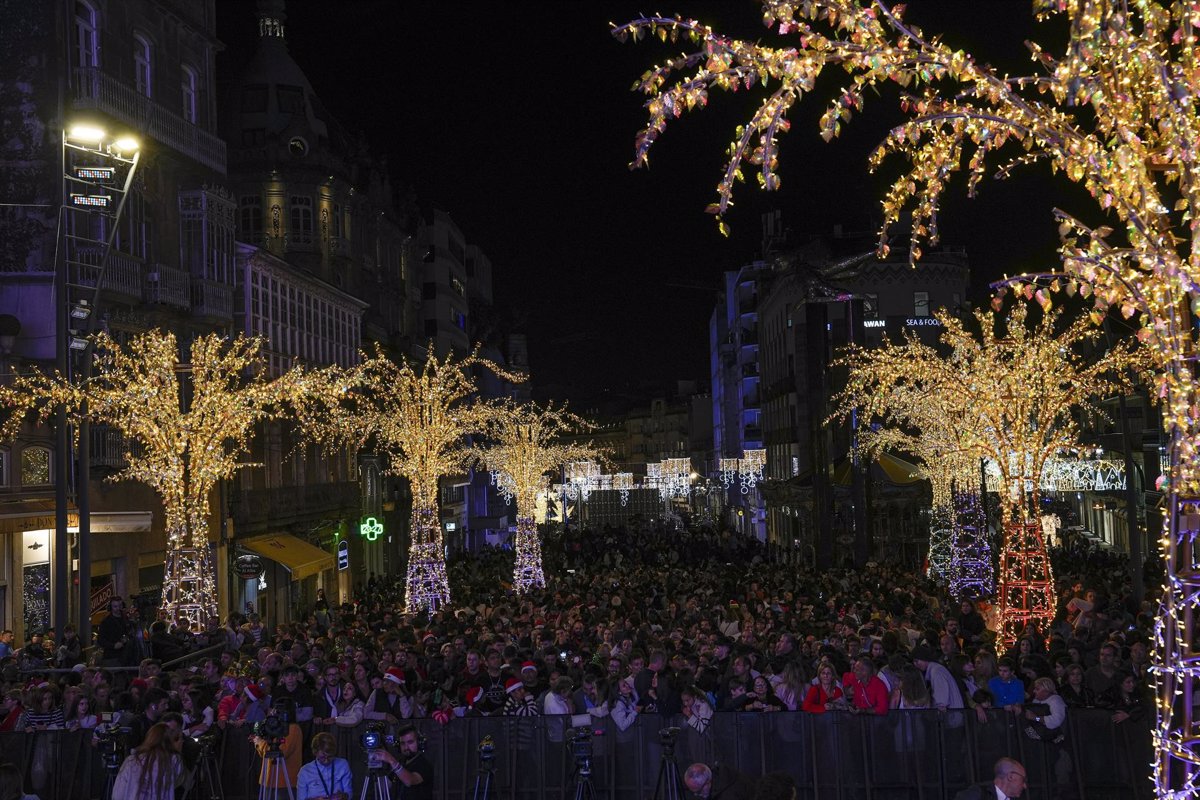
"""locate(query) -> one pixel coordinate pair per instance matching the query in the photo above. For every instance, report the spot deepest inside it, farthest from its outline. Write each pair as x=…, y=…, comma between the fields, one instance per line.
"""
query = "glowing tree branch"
x=421, y=416
x=189, y=434
x=524, y=447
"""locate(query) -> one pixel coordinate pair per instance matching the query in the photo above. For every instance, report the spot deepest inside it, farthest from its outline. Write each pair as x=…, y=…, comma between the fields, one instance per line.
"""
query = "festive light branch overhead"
x=184, y=435
x=420, y=415
x=524, y=444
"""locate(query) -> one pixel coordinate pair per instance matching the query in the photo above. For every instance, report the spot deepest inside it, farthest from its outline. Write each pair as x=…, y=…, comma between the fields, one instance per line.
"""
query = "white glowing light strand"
x=623, y=482
x=655, y=479
x=730, y=467
x=751, y=468
x=677, y=472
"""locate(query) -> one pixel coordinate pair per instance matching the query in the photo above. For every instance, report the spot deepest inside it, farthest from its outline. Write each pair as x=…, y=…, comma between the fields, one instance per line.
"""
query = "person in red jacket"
x=863, y=688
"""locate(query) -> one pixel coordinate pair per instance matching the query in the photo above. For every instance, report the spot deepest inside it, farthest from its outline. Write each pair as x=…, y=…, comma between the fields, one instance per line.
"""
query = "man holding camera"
x=412, y=768
x=326, y=777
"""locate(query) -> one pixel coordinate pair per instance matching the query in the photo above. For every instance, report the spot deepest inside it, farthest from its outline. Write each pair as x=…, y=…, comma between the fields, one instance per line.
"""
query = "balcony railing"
x=110, y=446
x=110, y=95
x=122, y=273
x=212, y=300
x=168, y=286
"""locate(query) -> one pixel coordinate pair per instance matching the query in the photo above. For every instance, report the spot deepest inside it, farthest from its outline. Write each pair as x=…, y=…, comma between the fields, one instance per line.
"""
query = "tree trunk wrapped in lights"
x=184, y=436
x=421, y=417
x=1007, y=394
x=523, y=447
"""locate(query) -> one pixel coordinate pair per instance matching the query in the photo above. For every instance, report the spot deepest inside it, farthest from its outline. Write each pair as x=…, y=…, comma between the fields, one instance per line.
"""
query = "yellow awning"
x=896, y=470
x=297, y=555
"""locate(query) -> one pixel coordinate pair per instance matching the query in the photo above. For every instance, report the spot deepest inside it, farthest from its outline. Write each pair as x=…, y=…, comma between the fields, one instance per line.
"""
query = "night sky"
x=517, y=119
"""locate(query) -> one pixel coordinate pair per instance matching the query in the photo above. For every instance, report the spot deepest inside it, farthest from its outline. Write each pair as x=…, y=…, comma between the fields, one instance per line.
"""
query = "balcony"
x=122, y=274
x=212, y=300
x=95, y=89
x=259, y=510
x=168, y=286
x=110, y=446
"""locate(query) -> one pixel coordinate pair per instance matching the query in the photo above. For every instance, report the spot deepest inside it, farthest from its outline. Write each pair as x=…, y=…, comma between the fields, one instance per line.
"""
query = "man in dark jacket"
x=718, y=783
x=1009, y=782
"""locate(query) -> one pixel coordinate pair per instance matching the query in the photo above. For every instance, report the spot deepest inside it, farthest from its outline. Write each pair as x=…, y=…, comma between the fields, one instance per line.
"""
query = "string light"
x=751, y=468
x=524, y=444
x=420, y=416
x=183, y=447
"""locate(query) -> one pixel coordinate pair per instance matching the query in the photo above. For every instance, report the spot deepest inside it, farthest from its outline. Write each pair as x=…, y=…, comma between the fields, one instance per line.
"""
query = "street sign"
x=343, y=558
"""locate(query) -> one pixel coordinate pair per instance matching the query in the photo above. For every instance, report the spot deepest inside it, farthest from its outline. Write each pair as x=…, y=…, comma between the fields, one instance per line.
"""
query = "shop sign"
x=100, y=598
x=343, y=555
x=248, y=566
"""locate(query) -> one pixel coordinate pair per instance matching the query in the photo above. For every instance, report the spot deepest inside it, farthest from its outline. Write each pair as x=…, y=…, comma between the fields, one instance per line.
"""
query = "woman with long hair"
x=792, y=686
x=824, y=691
x=348, y=711
x=80, y=715
x=154, y=768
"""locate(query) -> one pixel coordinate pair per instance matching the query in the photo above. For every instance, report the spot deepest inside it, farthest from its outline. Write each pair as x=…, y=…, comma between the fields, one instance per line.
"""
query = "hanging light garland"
x=751, y=468
x=183, y=447
x=622, y=482
x=523, y=445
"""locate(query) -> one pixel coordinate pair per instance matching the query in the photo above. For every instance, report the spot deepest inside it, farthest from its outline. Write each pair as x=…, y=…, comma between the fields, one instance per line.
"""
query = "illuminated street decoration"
x=730, y=468
x=370, y=529
x=420, y=416
x=970, y=570
x=138, y=389
x=1010, y=394
x=523, y=447
x=656, y=479
x=1071, y=475
x=676, y=477
x=750, y=468
x=583, y=477
x=1116, y=114
x=622, y=482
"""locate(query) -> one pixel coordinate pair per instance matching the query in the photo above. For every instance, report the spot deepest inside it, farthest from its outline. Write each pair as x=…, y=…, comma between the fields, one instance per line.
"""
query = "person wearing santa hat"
x=390, y=703
x=520, y=702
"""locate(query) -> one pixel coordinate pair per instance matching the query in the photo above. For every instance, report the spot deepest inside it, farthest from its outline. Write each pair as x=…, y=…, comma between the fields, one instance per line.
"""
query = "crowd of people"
x=632, y=622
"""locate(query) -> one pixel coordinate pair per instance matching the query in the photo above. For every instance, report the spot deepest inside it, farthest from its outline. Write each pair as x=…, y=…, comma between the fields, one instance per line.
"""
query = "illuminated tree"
x=420, y=416
x=524, y=446
x=1115, y=113
x=184, y=434
x=1009, y=393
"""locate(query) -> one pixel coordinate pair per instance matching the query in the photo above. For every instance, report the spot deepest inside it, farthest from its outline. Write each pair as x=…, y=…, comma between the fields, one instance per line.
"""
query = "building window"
x=188, y=83
x=206, y=233
x=250, y=218
x=142, y=71
x=254, y=137
x=290, y=99
x=35, y=466
x=458, y=287
x=920, y=304
x=301, y=219
x=87, y=43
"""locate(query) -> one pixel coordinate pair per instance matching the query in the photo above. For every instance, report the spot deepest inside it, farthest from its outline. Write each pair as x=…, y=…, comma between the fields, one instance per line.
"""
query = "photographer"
x=326, y=777
x=412, y=768
x=113, y=636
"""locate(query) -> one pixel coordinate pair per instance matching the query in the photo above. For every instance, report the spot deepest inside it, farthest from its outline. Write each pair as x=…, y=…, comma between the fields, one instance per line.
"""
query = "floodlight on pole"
x=126, y=144
x=87, y=134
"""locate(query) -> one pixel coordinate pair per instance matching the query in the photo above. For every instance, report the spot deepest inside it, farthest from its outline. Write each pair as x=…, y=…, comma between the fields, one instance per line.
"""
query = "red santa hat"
x=529, y=665
x=473, y=696
x=512, y=684
x=395, y=675
x=140, y=683
x=254, y=692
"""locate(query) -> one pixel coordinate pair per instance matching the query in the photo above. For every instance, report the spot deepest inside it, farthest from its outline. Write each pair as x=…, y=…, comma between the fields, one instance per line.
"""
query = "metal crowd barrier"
x=906, y=755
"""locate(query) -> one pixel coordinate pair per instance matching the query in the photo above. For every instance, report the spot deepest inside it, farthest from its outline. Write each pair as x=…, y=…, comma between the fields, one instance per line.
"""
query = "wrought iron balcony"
x=212, y=300
x=122, y=273
x=110, y=95
x=168, y=286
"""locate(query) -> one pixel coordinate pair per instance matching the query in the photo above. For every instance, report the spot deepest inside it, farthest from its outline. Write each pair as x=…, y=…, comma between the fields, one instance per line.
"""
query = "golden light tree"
x=524, y=446
x=188, y=424
x=421, y=416
x=1011, y=390
x=1114, y=112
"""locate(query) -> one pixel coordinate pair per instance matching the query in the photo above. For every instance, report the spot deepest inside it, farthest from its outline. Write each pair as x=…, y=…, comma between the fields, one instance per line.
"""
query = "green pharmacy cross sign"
x=371, y=529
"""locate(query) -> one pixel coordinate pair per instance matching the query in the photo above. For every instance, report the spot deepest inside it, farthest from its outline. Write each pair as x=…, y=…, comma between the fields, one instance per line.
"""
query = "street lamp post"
x=92, y=163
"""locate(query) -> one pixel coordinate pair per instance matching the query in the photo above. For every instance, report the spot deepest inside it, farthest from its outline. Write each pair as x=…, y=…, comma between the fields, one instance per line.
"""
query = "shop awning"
x=895, y=470
x=297, y=555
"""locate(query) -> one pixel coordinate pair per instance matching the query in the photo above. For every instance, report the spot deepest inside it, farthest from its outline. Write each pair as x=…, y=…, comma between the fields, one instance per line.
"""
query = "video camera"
x=487, y=750
x=274, y=728
x=109, y=739
x=374, y=737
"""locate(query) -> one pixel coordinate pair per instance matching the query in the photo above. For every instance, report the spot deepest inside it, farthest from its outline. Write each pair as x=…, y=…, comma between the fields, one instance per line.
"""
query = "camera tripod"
x=483, y=781
x=206, y=781
x=376, y=786
x=274, y=768
x=669, y=786
x=583, y=779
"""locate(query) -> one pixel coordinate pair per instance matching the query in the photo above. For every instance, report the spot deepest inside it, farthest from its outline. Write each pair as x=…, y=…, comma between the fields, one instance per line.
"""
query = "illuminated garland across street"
x=1115, y=113
x=522, y=449
x=1074, y=475
x=183, y=447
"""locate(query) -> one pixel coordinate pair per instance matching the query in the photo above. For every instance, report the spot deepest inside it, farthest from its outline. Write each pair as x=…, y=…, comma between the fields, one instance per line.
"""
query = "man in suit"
x=1009, y=783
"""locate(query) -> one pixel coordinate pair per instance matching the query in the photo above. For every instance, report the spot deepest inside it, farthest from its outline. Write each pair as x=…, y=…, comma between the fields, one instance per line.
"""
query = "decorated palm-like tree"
x=187, y=421
x=421, y=415
x=524, y=446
